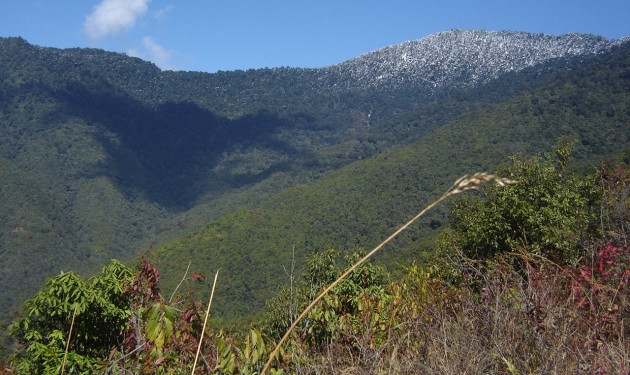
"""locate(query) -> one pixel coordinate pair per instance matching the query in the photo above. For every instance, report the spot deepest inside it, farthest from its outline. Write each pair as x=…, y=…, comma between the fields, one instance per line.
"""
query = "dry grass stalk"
x=65, y=356
x=205, y=322
x=464, y=183
x=180, y=282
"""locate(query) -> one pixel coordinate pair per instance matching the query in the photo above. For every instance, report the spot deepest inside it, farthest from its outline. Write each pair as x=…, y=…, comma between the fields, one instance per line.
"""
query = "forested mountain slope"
x=103, y=154
x=459, y=59
x=361, y=204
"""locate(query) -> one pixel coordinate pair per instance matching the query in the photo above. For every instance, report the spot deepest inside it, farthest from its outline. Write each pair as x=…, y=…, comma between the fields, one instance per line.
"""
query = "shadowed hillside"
x=359, y=205
x=103, y=155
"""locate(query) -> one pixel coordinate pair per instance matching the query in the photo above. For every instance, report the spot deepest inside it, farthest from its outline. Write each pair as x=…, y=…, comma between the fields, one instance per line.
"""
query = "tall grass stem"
x=464, y=183
x=205, y=322
x=65, y=356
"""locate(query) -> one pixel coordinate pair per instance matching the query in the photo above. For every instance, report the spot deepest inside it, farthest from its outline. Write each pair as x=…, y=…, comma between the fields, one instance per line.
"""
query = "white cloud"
x=161, y=13
x=114, y=16
x=154, y=52
x=134, y=52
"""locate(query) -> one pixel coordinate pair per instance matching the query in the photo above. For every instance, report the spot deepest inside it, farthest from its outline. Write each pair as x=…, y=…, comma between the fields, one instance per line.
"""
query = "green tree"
x=346, y=298
x=102, y=310
x=549, y=212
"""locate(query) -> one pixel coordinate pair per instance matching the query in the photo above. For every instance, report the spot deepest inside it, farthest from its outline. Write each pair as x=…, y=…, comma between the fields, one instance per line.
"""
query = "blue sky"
x=211, y=35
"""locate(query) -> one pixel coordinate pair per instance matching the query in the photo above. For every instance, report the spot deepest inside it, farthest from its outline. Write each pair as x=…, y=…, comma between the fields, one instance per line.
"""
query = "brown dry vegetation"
x=541, y=319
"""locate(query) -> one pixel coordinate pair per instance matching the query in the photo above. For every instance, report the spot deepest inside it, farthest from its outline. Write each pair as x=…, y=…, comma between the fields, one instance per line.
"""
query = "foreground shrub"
x=101, y=317
x=550, y=212
x=539, y=318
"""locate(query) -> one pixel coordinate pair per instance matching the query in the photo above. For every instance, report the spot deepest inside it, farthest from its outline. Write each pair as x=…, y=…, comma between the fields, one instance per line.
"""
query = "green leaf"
x=153, y=329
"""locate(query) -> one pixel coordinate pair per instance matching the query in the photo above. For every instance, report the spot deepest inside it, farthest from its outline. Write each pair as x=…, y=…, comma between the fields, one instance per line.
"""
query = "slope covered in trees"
x=360, y=204
x=106, y=154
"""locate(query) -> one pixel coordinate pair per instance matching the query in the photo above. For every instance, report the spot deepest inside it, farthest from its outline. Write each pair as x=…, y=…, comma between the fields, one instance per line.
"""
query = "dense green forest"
x=104, y=156
x=358, y=205
x=116, y=155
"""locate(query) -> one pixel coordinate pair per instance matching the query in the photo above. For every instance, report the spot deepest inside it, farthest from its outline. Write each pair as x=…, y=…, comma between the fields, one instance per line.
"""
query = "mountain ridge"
x=477, y=55
x=405, y=62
